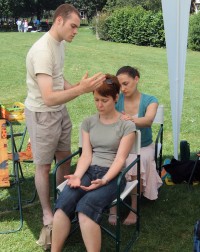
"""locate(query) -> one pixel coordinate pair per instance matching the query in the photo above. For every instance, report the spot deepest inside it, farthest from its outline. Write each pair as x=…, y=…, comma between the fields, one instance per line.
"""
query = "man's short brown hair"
x=65, y=10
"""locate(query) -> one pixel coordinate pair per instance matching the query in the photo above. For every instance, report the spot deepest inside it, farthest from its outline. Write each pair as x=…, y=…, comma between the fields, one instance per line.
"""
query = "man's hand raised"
x=89, y=84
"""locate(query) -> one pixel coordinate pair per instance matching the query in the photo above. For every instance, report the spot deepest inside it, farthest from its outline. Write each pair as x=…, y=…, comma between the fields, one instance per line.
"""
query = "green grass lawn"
x=166, y=224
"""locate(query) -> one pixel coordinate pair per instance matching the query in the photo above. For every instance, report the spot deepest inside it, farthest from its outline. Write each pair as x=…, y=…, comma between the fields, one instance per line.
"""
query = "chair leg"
x=118, y=228
x=19, y=206
x=160, y=163
x=21, y=172
x=23, y=179
x=19, y=196
x=192, y=173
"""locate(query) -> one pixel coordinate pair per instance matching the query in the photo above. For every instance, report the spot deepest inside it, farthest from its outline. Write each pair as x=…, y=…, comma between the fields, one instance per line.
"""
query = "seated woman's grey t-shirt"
x=105, y=138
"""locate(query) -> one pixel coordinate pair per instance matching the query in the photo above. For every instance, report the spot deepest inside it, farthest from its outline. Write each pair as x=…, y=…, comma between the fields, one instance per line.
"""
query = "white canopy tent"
x=176, y=22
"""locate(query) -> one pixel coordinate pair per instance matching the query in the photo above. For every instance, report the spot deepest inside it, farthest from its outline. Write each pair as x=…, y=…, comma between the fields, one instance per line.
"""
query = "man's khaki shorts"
x=49, y=132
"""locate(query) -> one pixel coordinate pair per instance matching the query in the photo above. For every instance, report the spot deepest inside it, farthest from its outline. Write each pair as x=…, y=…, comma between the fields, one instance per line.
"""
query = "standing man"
x=47, y=118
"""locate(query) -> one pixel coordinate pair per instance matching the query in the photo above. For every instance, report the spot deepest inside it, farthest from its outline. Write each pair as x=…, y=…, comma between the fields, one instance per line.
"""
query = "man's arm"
x=67, y=85
x=56, y=97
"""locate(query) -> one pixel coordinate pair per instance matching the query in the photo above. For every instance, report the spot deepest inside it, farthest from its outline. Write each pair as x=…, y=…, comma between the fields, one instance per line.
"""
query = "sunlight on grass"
x=166, y=224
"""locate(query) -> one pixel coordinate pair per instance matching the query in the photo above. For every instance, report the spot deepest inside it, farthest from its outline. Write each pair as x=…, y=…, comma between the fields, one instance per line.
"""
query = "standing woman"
x=140, y=109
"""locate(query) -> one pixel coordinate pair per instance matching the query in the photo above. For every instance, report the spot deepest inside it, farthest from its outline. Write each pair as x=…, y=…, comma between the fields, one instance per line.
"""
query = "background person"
x=140, y=109
x=25, y=25
x=19, y=25
x=47, y=119
x=106, y=143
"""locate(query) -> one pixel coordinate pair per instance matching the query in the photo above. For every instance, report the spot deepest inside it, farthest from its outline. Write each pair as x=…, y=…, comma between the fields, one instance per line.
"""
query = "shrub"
x=119, y=25
x=139, y=27
x=8, y=27
x=194, y=32
x=132, y=25
x=156, y=32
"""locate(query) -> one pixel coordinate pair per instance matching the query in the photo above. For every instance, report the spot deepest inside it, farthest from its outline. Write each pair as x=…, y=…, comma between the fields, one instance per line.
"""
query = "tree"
x=91, y=7
x=37, y=7
x=27, y=8
x=9, y=7
x=154, y=5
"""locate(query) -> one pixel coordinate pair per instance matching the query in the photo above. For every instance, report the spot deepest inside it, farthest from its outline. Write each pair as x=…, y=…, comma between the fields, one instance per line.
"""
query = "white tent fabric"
x=176, y=22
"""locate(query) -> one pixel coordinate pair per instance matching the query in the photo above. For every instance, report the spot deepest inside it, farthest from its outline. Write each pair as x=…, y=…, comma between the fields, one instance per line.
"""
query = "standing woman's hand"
x=126, y=117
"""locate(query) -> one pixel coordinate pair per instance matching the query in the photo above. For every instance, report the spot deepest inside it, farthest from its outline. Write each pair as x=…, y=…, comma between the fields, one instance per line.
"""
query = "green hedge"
x=140, y=27
x=8, y=27
x=132, y=25
x=194, y=32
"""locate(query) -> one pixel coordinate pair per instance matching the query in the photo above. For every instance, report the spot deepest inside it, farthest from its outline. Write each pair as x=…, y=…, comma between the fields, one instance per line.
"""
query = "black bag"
x=184, y=150
x=180, y=171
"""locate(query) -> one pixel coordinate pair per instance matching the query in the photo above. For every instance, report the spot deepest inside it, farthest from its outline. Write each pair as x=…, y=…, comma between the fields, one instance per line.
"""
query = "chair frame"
x=16, y=176
x=159, y=119
x=193, y=170
x=119, y=202
x=17, y=173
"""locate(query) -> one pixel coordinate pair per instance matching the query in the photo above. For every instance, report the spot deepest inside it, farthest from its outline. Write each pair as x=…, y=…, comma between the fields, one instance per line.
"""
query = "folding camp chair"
x=159, y=119
x=12, y=179
x=119, y=202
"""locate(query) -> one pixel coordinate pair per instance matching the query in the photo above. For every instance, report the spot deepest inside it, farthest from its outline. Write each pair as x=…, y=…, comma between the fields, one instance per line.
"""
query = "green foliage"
x=118, y=24
x=91, y=7
x=194, y=32
x=8, y=26
x=153, y=5
x=27, y=8
x=138, y=27
x=133, y=25
x=156, y=34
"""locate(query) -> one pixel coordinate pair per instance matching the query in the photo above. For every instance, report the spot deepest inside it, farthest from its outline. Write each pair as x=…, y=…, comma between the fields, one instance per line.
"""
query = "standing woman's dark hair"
x=131, y=71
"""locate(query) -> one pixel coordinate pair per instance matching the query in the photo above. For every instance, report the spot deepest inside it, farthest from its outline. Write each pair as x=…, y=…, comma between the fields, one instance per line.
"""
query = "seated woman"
x=140, y=109
x=106, y=143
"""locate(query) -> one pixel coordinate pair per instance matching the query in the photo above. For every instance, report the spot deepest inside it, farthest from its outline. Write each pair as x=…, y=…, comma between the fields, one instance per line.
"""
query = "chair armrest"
x=61, y=186
x=78, y=152
x=129, y=187
x=158, y=137
x=159, y=134
x=123, y=173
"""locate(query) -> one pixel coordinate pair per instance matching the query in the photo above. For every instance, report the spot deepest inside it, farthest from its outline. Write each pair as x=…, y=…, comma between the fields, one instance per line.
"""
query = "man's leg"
x=42, y=186
x=64, y=169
